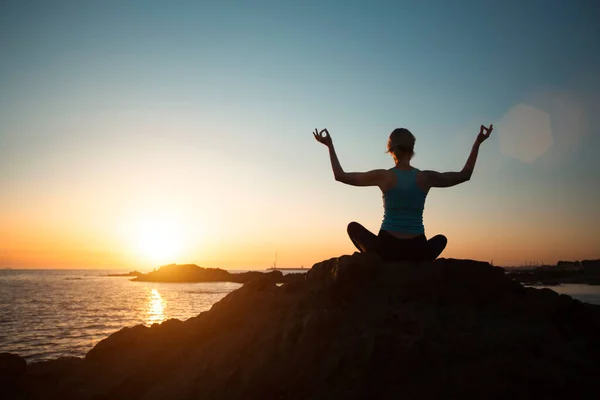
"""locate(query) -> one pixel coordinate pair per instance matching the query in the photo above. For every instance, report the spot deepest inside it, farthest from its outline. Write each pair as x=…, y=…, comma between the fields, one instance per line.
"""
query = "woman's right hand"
x=323, y=138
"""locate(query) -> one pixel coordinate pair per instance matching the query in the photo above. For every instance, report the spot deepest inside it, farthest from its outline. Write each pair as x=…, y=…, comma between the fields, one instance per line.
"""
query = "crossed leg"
x=367, y=242
x=435, y=246
x=364, y=240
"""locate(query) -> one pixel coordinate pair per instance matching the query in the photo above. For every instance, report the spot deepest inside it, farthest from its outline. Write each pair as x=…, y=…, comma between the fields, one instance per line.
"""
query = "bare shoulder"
x=431, y=179
x=381, y=175
x=376, y=177
x=426, y=174
x=424, y=179
x=388, y=179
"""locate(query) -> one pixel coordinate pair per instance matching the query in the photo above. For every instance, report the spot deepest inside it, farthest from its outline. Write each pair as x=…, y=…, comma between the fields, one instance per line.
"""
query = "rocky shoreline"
x=353, y=327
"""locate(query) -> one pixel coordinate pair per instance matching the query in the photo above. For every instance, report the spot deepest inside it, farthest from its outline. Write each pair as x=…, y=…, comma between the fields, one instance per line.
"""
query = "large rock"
x=11, y=367
x=354, y=328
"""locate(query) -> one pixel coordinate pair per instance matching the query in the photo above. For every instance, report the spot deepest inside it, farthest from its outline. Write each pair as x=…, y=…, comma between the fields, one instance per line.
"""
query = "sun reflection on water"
x=156, y=308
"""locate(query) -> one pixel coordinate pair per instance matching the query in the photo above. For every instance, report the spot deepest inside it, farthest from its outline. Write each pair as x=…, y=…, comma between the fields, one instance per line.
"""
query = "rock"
x=57, y=368
x=11, y=366
x=354, y=328
x=12, y=371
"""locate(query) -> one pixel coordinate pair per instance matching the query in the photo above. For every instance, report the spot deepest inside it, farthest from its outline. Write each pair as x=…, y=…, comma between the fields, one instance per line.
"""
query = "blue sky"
x=208, y=107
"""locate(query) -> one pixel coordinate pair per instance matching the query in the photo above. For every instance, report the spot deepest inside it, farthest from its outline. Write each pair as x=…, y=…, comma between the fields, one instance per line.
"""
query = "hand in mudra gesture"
x=323, y=137
x=484, y=133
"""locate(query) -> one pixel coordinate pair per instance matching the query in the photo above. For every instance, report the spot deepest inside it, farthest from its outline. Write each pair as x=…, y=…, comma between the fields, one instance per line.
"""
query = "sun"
x=159, y=241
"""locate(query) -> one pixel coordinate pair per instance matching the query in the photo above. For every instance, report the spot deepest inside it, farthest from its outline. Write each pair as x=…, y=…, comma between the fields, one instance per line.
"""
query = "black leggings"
x=390, y=248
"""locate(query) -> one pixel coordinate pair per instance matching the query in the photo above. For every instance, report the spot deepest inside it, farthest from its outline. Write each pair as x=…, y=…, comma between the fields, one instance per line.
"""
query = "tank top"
x=403, y=204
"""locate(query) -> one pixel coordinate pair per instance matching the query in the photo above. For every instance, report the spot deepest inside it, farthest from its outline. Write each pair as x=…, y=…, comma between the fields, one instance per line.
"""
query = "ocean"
x=47, y=314
x=53, y=313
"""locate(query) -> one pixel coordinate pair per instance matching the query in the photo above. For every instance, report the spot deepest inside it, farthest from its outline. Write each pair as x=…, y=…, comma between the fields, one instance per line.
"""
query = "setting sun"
x=158, y=240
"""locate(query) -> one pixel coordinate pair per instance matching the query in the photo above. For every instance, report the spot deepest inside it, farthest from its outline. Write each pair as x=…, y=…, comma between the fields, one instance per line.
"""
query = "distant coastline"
x=585, y=271
x=190, y=273
x=132, y=273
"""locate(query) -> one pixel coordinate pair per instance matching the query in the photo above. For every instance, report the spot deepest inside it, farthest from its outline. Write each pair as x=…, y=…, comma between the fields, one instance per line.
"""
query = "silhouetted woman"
x=404, y=188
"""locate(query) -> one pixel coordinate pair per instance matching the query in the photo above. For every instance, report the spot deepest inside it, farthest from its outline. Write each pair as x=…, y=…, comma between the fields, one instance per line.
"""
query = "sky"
x=139, y=133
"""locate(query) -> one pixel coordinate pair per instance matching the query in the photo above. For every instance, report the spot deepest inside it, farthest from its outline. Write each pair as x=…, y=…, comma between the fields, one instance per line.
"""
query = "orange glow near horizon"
x=140, y=212
x=154, y=238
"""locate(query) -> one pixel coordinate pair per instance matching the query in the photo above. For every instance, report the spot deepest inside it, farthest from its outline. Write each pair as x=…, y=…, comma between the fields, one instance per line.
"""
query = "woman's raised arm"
x=447, y=179
x=376, y=177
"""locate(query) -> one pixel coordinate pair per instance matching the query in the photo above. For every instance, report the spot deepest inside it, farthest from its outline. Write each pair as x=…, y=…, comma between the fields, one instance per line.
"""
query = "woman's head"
x=401, y=144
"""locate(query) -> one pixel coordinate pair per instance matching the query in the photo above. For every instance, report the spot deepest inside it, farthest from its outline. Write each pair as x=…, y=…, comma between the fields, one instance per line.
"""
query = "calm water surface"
x=587, y=293
x=53, y=313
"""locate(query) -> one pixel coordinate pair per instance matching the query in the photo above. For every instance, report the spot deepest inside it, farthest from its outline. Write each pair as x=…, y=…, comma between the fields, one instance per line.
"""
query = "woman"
x=404, y=188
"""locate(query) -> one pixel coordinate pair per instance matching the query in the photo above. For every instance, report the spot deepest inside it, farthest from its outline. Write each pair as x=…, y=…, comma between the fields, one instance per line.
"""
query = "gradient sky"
x=120, y=120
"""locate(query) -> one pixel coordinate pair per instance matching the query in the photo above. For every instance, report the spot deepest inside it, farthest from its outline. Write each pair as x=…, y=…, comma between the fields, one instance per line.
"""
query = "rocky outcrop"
x=11, y=367
x=194, y=273
x=354, y=328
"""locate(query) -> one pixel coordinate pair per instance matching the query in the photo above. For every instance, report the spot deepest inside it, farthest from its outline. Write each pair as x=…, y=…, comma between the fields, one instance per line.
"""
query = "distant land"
x=586, y=271
x=190, y=273
x=287, y=269
x=132, y=273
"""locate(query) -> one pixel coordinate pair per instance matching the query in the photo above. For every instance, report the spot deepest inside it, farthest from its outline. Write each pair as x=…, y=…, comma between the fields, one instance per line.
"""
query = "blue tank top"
x=403, y=204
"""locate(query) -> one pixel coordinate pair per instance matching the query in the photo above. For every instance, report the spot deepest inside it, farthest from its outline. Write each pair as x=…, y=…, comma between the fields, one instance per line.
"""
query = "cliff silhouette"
x=353, y=328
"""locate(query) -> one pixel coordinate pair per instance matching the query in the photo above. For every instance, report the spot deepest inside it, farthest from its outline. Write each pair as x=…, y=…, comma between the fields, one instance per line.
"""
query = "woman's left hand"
x=484, y=133
x=323, y=138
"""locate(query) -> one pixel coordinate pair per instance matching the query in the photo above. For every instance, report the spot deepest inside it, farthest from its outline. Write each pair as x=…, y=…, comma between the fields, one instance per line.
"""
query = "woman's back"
x=403, y=204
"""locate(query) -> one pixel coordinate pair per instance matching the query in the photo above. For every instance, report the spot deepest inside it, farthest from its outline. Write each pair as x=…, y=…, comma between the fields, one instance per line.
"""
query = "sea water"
x=583, y=292
x=53, y=313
